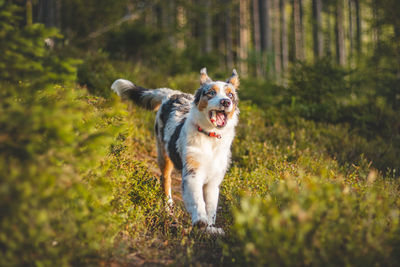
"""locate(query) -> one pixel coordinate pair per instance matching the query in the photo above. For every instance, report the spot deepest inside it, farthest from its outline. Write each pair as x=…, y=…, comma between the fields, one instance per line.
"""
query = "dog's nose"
x=225, y=102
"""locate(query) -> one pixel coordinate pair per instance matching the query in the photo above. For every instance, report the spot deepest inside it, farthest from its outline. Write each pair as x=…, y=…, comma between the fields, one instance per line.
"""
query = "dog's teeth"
x=213, y=116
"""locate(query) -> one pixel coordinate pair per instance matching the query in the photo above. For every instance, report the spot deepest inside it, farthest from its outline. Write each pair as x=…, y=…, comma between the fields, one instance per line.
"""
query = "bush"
x=309, y=220
x=25, y=57
x=289, y=203
x=54, y=199
x=316, y=91
x=97, y=74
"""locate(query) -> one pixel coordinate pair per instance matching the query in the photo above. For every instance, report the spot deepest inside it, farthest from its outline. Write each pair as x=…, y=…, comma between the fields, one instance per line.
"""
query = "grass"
x=282, y=197
x=286, y=200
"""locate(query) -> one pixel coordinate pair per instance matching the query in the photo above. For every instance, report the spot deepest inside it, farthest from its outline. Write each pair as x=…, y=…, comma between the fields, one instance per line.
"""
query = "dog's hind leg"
x=166, y=177
x=166, y=167
x=164, y=162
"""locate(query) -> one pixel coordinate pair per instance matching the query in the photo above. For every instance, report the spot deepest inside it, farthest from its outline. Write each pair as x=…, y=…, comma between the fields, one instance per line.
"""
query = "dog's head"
x=217, y=100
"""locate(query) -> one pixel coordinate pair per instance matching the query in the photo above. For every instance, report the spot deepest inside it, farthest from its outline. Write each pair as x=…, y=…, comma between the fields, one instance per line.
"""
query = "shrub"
x=316, y=91
x=54, y=199
x=97, y=74
x=24, y=55
x=308, y=220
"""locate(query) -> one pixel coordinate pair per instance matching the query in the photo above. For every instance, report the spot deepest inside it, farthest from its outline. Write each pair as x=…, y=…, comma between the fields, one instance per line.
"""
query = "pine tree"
x=25, y=57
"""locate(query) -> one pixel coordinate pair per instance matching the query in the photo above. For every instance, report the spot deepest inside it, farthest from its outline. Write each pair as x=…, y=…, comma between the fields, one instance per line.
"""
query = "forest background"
x=314, y=176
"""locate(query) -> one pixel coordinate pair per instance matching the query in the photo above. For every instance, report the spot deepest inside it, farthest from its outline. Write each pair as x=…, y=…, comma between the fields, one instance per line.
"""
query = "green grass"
x=80, y=186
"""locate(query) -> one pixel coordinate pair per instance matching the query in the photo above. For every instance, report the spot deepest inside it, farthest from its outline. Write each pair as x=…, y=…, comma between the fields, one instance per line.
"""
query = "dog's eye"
x=230, y=95
x=211, y=93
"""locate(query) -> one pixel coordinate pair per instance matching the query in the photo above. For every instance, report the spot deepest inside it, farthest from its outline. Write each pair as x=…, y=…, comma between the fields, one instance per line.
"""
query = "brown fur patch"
x=228, y=90
x=216, y=88
x=203, y=103
x=234, y=80
x=230, y=114
x=192, y=163
x=166, y=174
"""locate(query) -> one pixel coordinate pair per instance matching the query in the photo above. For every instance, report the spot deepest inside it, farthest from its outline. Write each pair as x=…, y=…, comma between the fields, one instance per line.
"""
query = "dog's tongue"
x=220, y=119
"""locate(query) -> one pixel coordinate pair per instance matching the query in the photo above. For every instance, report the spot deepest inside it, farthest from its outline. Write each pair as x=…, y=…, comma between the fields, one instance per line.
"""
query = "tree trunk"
x=229, y=38
x=328, y=35
x=208, y=27
x=397, y=37
x=351, y=28
x=317, y=29
x=340, y=42
x=181, y=21
x=358, y=27
x=277, y=39
x=49, y=13
x=28, y=6
x=257, y=39
x=165, y=16
x=284, y=36
x=376, y=28
x=244, y=36
x=266, y=36
x=298, y=30
x=351, y=31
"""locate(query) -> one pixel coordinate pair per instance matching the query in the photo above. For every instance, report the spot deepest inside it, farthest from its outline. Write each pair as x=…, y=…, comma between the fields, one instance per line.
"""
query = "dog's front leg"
x=211, y=193
x=192, y=191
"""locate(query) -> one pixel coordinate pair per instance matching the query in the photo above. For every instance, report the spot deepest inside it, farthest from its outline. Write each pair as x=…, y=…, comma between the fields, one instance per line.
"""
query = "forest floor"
x=295, y=178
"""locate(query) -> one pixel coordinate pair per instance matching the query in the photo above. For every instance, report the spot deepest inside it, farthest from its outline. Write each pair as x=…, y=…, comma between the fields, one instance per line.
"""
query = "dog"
x=194, y=134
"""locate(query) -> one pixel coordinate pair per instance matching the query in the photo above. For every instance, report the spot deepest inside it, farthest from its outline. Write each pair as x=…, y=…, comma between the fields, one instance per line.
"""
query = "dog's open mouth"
x=218, y=118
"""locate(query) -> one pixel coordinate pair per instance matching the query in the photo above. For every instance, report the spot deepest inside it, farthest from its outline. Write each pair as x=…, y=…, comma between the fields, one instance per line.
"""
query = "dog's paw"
x=169, y=207
x=200, y=224
x=212, y=230
x=170, y=203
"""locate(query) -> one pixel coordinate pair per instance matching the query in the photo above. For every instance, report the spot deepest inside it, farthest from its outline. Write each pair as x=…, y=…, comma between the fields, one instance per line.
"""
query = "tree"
x=285, y=44
x=24, y=55
x=208, y=27
x=340, y=41
x=277, y=39
x=317, y=26
x=244, y=36
x=358, y=27
x=266, y=35
x=181, y=21
x=298, y=30
x=257, y=36
x=49, y=12
x=350, y=9
x=229, y=38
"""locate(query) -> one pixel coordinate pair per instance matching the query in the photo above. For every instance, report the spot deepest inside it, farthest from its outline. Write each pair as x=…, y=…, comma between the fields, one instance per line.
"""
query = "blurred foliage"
x=52, y=210
x=291, y=204
x=348, y=113
x=316, y=91
x=306, y=220
x=97, y=73
x=81, y=18
x=24, y=55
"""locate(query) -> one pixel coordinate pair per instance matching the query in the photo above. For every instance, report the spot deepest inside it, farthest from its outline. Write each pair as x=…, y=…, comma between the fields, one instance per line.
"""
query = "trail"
x=151, y=160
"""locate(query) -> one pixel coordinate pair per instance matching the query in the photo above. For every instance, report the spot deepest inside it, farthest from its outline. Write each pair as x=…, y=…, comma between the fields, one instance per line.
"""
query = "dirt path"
x=151, y=161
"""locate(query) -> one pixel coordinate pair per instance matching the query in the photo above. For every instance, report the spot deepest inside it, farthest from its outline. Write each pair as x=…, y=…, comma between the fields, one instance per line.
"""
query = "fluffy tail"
x=148, y=98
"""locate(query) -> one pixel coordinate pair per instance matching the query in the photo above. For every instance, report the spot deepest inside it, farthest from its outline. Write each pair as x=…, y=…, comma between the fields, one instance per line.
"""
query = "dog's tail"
x=148, y=98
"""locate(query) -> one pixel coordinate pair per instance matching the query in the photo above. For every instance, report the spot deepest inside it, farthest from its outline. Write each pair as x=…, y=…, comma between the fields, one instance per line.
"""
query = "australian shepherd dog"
x=194, y=134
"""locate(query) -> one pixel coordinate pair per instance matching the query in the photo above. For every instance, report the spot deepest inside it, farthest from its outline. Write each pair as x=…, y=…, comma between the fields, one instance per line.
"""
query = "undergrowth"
x=80, y=185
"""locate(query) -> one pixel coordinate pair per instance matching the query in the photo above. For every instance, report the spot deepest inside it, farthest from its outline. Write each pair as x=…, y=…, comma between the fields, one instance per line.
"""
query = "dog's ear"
x=197, y=96
x=234, y=79
x=204, y=77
